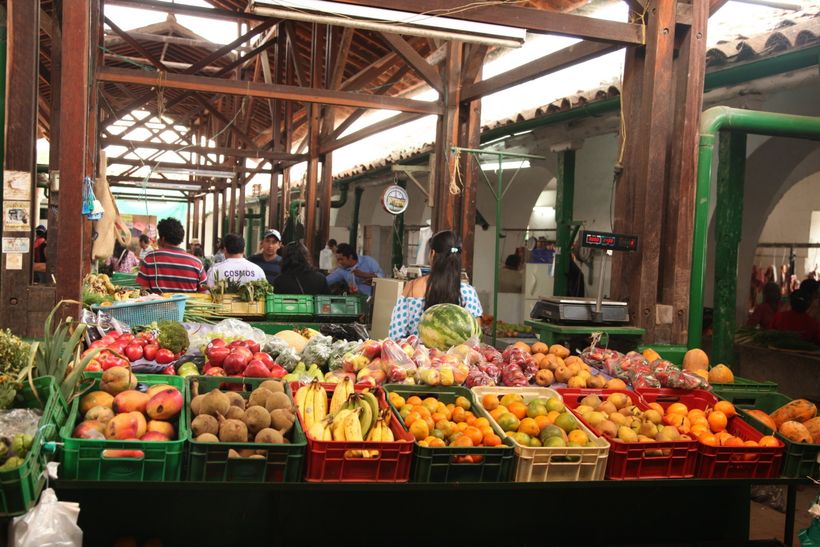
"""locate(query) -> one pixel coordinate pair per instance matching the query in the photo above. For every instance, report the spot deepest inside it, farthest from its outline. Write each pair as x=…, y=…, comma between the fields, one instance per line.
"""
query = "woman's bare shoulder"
x=416, y=288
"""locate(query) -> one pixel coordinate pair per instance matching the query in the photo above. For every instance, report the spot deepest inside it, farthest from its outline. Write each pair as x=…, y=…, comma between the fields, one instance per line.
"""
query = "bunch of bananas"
x=351, y=416
x=100, y=284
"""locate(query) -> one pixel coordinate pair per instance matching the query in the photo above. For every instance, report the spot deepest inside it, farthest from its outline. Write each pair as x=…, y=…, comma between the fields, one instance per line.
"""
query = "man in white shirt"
x=235, y=268
x=327, y=256
x=145, y=246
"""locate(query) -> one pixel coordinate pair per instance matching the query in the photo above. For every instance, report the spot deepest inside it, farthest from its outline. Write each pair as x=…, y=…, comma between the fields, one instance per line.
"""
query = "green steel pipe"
x=564, y=201
x=354, y=223
x=714, y=120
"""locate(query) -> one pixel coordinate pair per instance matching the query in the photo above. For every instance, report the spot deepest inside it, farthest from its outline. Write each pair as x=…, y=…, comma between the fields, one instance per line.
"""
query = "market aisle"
x=767, y=523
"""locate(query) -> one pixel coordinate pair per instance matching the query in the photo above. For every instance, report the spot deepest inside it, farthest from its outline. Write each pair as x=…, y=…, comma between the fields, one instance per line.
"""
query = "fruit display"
x=13, y=451
x=645, y=370
x=98, y=289
x=150, y=351
x=239, y=358
x=446, y=325
x=506, y=330
x=118, y=411
x=796, y=420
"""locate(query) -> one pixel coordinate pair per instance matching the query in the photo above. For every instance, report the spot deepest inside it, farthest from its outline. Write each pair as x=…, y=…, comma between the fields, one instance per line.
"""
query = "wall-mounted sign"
x=15, y=244
x=14, y=261
x=16, y=215
x=17, y=185
x=395, y=200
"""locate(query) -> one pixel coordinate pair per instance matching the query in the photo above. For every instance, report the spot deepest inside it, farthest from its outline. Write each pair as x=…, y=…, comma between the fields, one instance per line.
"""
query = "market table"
x=620, y=336
x=556, y=513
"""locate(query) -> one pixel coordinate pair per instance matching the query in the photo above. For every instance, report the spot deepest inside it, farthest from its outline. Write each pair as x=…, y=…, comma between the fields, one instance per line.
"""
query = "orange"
x=553, y=414
x=699, y=429
x=474, y=434
x=422, y=410
x=470, y=418
x=695, y=412
x=542, y=421
x=490, y=401
x=462, y=426
x=412, y=417
x=717, y=420
x=678, y=420
x=438, y=416
x=677, y=408
x=441, y=408
x=698, y=419
x=463, y=440
x=491, y=440
x=498, y=411
x=481, y=422
x=733, y=441
x=430, y=423
x=750, y=443
x=657, y=406
x=445, y=427
x=726, y=407
x=769, y=441
x=435, y=442
x=420, y=430
x=519, y=410
x=709, y=440
x=430, y=404
x=722, y=436
x=459, y=414
x=414, y=400
x=529, y=426
x=463, y=402
x=486, y=430
x=396, y=399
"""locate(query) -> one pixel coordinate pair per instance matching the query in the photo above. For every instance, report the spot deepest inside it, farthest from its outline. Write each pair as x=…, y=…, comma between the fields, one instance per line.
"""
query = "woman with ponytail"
x=441, y=286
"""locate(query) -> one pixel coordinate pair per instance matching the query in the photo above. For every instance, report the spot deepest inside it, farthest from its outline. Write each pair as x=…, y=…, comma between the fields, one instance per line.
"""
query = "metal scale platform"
x=568, y=309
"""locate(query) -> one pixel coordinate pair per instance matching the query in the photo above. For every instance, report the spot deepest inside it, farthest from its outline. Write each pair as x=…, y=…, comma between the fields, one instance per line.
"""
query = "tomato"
x=134, y=352
x=164, y=356
x=98, y=344
x=150, y=351
x=117, y=347
x=108, y=339
x=126, y=337
x=93, y=366
x=109, y=360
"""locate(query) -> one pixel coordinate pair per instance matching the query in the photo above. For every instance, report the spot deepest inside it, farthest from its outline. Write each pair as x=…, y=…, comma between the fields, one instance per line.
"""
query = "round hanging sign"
x=395, y=200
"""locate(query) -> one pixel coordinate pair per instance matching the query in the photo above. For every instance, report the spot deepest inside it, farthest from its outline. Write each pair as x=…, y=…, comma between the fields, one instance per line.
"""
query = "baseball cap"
x=40, y=228
x=272, y=233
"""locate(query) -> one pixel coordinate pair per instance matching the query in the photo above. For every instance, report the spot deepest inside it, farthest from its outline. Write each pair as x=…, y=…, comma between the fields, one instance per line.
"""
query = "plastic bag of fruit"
x=669, y=375
x=477, y=377
x=396, y=361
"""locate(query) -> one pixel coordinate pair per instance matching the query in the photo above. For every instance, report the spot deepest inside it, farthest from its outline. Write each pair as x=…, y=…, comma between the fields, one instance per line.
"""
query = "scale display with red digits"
x=574, y=310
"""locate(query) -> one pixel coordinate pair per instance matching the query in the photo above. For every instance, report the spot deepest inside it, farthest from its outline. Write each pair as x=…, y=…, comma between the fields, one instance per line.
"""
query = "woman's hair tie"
x=455, y=250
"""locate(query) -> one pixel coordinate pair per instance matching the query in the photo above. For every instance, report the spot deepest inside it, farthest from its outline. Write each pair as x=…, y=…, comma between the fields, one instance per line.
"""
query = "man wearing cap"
x=269, y=259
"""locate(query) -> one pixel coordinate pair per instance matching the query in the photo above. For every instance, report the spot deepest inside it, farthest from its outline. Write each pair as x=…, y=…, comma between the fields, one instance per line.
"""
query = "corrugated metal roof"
x=798, y=30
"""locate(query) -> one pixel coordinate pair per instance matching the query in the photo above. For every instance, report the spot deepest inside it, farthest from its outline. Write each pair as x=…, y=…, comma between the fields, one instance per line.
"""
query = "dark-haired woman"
x=298, y=274
x=442, y=286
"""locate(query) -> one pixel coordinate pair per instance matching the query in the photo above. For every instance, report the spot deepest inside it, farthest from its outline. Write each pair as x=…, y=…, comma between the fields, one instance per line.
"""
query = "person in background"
x=219, y=252
x=123, y=260
x=542, y=254
x=796, y=319
x=763, y=314
x=442, y=285
x=327, y=256
x=145, y=246
x=268, y=258
x=510, y=278
x=298, y=274
x=812, y=289
x=169, y=268
x=357, y=271
x=39, y=254
x=235, y=268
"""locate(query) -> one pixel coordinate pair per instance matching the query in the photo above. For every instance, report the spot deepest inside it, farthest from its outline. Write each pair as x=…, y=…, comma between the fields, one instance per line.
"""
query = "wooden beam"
x=559, y=60
x=184, y=9
x=715, y=5
x=533, y=20
x=341, y=59
x=273, y=91
x=370, y=130
x=136, y=45
x=412, y=57
x=113, y=39
x=228, y=48
x=225, y=121
x=217, y=150
x=447, y=129
x=299, y=71
x=371, y=72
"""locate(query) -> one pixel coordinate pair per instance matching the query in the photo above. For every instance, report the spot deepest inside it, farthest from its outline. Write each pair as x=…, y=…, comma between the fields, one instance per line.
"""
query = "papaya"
x=763, y=418
x=795, y=431
x=695, y=359
x=813, y=426
x=798, y=410
x=721, y=374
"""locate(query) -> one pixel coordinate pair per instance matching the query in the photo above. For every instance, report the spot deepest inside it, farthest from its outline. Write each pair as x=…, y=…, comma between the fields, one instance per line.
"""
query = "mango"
x=130, y=401
x=153, y=390
x=154, y=436
x=159, y=426
x=117, y=379
x=89, y=429
x=165, y=405
x=129, y=425
x=95, y=398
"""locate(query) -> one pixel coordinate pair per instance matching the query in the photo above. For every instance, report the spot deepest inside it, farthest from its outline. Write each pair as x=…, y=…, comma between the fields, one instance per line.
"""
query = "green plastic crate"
x=439, y=464
x=800, y=459
x=127, y=280
x=20, y=487
x=210, y=461
x=288, y=305
x=274, y=327
x=743, y=386
x=332, y=307
x=85, y=459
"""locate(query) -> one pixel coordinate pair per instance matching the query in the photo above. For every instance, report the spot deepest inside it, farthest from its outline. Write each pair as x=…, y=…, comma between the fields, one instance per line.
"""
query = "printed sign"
x=15, y=244
x=16, y=215
x=395, y=200
x=17, y=185
x=14, y=261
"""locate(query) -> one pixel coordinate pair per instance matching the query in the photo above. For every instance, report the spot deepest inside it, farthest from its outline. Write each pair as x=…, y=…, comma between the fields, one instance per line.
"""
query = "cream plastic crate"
x=552, y=464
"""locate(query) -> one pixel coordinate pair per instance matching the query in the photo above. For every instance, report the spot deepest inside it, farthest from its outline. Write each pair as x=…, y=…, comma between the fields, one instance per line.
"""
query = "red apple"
x=238, y=344
x=234, y=363
x=149, y=352
x=217, y=355
x=277, y=371
x=256, y=369
x=215, y=371
x=134, y=352
x=253, y=346
x=93, y=366
x=371, y=349
x=216, y=343
x=165, y=356
x=246, y=354
x=264, y=357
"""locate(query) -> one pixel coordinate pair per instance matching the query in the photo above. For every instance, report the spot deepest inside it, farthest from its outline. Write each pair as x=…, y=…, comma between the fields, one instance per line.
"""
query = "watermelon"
x=446, y=325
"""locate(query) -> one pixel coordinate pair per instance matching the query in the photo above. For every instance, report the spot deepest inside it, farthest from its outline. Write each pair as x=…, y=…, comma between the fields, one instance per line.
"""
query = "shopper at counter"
x=235, y=268
x=357, y=271
x=510, y=278
x=441, y=286
x=796, y=319
x=169, y=268
x=298, y=274
x=268, y=258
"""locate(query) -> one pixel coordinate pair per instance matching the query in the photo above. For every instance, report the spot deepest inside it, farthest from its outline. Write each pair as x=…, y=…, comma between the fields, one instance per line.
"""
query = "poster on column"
x=17, y=185
x=16, y=216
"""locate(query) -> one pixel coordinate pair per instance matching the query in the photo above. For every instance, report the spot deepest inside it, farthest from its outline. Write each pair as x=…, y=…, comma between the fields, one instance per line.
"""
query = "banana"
x=317, y=431
x=352, y=427
x=371, y=400
x=308, y=411
x=327, y=434
x=301, y=393
x=384, y=420
x=320, y=401
x=340, y=394
x=366, y=416
x=339, y=426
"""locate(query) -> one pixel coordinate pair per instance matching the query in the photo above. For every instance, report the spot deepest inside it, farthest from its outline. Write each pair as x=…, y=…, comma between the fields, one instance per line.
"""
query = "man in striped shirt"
x=169, y=268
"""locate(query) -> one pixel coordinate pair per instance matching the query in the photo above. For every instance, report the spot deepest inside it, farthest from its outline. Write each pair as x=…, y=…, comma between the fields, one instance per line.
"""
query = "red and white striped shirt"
x=171, y=270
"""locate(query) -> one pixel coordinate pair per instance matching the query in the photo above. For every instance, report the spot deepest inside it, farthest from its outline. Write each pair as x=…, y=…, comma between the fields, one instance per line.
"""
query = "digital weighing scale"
x=568, y=309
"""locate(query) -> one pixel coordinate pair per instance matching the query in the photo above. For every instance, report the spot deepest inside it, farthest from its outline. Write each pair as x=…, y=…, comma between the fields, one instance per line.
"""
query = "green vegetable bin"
x=20, y=487
x=210, y=461
x=279, y=306
x=102, y=460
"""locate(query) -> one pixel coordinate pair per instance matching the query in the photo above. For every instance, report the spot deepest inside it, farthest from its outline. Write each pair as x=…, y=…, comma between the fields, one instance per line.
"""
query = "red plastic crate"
x=735, y=462
x=327, y=462
x=692, y=398
x=640, y=460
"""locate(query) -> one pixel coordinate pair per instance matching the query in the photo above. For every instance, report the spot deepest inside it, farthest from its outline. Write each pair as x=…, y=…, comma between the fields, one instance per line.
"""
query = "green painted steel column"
x=398, y=235
x=499, y=194
x=564, y=201
x=354, y=224
x=728, y=231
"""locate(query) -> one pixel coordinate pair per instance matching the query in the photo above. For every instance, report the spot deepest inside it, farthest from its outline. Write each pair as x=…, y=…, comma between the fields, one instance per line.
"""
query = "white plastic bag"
x=52, y=523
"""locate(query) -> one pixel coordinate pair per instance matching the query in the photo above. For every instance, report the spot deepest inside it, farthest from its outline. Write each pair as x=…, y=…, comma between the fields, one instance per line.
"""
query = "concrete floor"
x=768, y=523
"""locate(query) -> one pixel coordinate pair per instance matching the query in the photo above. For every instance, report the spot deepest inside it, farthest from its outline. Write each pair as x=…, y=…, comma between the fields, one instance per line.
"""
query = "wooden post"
x=232, y=205
x=273, y=205
x=325, y=199
x=23, y=32
x=203, y=223
x=312, y=178
x=215, y=218
x=444, y=204
x=74, y=118
x=243, y=181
